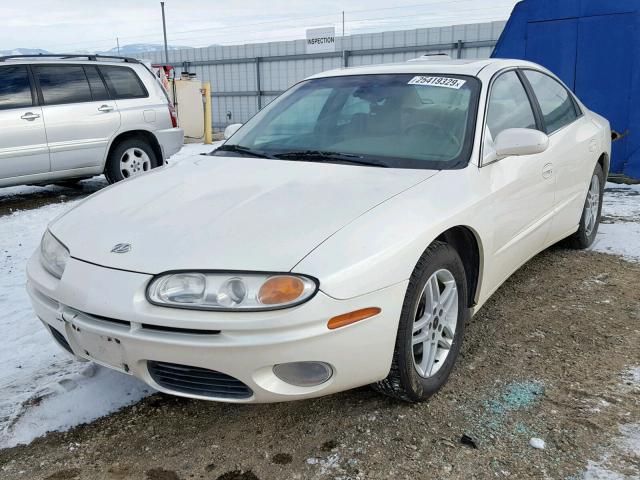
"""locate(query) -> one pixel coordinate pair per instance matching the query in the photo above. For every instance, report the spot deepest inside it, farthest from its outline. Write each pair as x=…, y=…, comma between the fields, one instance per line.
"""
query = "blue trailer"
x=594, y=47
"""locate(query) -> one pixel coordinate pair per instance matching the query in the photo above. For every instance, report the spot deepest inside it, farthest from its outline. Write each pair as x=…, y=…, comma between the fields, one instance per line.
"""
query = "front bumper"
x=171, y=141
x=104, y=316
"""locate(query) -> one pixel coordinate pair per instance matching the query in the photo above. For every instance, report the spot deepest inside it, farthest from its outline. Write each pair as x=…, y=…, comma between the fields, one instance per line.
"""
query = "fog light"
x=303, y=374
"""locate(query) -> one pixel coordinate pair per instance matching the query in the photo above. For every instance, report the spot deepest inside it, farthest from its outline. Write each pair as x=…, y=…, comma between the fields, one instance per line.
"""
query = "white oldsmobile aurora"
x=342, y=237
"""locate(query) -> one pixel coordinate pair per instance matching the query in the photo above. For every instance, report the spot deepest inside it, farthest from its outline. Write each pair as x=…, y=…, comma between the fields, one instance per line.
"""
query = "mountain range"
x=132, y=50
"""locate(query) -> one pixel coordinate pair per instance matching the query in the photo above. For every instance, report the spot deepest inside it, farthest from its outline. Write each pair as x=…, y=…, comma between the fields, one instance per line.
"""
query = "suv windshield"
x=399, y=121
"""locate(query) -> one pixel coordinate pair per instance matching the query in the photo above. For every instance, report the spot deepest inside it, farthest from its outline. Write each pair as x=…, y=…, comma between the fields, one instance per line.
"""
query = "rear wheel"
x=431, y=326
x=590, y=220
x=128, y=159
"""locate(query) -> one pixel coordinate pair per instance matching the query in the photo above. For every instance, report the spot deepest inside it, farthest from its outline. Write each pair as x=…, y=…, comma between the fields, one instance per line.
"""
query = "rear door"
x=23, y=142
x=79, y=115
x=573, y=149
x=132, y=97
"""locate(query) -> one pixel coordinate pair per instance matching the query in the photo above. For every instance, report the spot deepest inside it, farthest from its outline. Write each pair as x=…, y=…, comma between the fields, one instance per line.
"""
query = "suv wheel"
x=431, y=326
x=129, y=159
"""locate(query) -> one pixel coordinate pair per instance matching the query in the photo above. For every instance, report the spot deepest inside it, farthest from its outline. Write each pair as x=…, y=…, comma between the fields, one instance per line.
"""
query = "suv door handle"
x=547, y=170
x=30, y=116
x=105, y=108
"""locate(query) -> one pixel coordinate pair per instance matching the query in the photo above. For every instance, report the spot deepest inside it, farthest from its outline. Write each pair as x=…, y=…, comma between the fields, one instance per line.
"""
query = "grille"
x=197, y=381
x=157, y=328
x=188, y=331
x=61, y=340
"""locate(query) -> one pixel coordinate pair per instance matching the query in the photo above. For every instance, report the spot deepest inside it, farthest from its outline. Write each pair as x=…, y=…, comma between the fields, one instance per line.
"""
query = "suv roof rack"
x=67, y=56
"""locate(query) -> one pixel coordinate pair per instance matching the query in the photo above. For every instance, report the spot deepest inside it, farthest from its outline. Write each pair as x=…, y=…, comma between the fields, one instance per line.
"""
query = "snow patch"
x=619, y=234
x=42, y=388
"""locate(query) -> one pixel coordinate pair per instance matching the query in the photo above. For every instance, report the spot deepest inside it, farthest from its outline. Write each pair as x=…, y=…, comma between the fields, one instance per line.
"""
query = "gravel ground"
x=554, y=355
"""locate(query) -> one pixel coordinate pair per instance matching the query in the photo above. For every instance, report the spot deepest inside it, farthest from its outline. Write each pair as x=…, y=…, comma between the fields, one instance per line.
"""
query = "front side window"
x=123, y=83
x=509, y=105
x=555, y=102
x=399, y=120
x=15, y=89
x=62, y=84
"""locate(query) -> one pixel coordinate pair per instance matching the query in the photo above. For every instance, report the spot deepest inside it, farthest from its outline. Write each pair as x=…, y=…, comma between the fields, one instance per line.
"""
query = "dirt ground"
x=545, y=358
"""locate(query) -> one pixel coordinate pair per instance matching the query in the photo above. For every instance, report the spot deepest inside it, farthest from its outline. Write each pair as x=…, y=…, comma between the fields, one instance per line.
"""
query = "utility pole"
x=164, y=31
x=118, y=44
x=345, y=58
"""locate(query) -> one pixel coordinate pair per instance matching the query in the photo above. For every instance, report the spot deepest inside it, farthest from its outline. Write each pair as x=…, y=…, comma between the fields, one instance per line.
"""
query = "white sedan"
x=342, y=237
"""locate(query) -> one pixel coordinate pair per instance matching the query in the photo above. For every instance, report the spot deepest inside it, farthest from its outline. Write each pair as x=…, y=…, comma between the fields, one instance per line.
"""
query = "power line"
x=236, y=27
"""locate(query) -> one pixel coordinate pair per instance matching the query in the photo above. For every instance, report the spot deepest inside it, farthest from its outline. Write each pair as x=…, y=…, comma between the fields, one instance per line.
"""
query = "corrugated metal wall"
x=245, y=78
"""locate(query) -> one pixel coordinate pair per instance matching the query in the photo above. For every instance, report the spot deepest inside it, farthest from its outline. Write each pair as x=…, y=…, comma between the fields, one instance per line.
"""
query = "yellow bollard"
x=206, y=87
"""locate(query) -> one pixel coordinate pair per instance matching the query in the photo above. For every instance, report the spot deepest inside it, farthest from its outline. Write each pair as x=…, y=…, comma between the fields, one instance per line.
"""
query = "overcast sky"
x=73, y=25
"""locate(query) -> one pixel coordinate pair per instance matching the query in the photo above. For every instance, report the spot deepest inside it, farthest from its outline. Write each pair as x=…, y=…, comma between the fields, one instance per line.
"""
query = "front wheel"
x=431, y=326
x=590, y=220
x=128, y=159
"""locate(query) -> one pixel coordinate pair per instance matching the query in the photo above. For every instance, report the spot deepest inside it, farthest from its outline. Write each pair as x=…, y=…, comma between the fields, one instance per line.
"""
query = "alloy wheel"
x=134, y=161
x=435, y=323
x=592, y=206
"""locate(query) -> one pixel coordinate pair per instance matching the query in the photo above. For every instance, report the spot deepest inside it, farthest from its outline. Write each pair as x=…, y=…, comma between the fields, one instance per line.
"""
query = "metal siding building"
x=245, y=78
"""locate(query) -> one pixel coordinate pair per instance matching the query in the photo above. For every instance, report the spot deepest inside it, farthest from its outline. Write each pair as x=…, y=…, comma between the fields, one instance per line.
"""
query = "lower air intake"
x=197, y=381
x=61, y=340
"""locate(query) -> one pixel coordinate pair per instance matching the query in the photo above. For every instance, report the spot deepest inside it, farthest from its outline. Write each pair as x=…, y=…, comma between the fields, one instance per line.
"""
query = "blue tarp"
x=594, y=47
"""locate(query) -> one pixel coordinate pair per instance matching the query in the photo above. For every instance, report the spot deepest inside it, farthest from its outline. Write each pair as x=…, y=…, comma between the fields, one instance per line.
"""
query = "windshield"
x=399, y=120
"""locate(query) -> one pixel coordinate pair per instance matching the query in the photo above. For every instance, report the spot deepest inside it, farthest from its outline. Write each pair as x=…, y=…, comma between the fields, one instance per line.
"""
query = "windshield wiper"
x=242, y=150
x=327, y=157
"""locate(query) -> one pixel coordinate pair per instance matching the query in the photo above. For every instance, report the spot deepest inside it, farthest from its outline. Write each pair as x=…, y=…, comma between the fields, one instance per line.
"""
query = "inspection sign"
x=320, y=40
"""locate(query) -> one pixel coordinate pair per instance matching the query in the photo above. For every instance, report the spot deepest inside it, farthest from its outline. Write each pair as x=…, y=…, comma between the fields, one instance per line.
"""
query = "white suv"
x=68, y=117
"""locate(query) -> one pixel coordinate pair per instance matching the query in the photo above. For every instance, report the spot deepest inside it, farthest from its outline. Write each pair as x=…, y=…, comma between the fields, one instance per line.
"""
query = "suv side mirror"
x=231, y=129
x=520, y=141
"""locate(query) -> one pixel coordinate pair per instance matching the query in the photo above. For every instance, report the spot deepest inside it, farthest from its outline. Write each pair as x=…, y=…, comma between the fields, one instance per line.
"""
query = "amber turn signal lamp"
x=283, y=289
x=352, y=317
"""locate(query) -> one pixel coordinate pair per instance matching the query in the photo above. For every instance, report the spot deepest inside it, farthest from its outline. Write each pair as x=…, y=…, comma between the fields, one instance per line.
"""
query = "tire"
x=408, y=380
x=129, y=158
x=590, y=219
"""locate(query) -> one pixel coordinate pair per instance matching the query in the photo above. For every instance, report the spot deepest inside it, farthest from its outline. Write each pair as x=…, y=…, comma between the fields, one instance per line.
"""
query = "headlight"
x=230, y=291
x=53, y=255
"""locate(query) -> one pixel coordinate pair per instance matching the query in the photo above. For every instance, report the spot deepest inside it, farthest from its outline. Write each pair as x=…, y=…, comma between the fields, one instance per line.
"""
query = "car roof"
x=67, y=59
x=427, y=65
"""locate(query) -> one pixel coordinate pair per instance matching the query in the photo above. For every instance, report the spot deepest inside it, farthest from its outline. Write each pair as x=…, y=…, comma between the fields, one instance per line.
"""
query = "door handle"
x=30, y=116
x=105, y=108
x=547, y=170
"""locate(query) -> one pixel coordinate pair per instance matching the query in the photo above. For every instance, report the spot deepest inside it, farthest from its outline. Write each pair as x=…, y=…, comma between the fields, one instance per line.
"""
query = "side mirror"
x=231, y=129
x=520, y=141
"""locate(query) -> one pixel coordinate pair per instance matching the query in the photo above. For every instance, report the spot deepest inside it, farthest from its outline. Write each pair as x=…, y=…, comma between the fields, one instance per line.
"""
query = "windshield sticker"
x=445, y=82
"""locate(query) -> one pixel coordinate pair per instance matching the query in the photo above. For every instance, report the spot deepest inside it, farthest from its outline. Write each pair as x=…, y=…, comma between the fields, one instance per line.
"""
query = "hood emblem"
x=121, y=248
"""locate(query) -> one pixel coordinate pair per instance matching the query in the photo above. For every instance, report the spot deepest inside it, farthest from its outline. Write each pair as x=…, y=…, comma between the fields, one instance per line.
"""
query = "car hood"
x=226, y=213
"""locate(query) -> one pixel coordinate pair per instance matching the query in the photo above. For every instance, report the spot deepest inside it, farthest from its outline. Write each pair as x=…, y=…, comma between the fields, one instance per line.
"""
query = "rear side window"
x=555, y=101
x=123, y=82
x=509, y=105
x=61, y=84
x=98, y=89
x=15, y=89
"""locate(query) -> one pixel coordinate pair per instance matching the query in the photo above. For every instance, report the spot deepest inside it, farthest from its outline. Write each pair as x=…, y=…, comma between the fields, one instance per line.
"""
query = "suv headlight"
x=230, y=291
x=53, y=255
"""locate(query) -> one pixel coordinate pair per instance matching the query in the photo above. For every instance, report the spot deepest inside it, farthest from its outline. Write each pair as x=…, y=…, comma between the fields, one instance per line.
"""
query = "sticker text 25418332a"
x=445, y=82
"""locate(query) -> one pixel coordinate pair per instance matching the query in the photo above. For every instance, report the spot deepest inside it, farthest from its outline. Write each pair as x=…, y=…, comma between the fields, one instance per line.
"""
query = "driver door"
x=522, y=189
